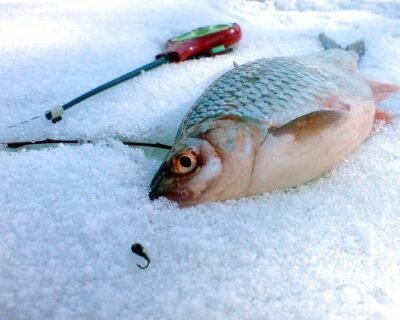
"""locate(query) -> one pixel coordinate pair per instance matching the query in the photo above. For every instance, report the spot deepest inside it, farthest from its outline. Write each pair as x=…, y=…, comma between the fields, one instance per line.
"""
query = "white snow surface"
x=68, y=215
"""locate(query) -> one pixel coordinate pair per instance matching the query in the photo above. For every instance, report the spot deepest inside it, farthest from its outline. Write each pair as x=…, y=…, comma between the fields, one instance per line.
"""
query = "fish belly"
x=284, y=161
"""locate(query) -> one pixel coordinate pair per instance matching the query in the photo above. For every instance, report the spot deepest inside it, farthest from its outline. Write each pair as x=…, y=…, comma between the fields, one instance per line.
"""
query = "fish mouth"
x=159, y=188
x=154, y=186
x=153, y=195
x=173, y=196
x=163, y=186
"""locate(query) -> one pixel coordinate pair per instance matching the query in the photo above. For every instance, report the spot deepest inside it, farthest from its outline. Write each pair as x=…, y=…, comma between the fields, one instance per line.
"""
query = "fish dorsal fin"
x=309, y=124
x=336, y=57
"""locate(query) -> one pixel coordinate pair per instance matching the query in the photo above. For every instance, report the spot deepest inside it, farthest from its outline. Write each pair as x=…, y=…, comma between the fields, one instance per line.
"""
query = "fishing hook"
x=138, y=249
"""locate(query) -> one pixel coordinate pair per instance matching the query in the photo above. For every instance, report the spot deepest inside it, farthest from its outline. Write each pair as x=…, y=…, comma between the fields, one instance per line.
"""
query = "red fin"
x=382, y=90
x=383, y=116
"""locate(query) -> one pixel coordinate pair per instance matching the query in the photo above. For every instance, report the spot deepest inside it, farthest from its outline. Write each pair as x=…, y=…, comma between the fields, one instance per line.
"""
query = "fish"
x=271, y=124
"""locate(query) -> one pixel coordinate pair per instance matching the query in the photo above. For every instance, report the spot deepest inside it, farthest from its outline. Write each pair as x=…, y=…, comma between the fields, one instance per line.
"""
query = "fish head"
x=212, y=162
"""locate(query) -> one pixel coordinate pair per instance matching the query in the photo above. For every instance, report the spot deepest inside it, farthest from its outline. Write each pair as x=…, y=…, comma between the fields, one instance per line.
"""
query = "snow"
x=68, y=215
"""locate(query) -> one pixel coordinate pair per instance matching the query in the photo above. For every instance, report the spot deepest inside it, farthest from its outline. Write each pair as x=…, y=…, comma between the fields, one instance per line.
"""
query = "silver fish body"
x=270, y=124
x=278, y=90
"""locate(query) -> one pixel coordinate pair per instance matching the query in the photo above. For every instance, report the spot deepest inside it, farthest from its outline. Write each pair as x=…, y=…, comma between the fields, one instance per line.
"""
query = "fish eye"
x=185, y=162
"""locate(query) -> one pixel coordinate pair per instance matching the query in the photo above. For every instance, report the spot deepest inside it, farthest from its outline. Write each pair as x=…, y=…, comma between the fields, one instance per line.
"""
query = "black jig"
x=139, y=250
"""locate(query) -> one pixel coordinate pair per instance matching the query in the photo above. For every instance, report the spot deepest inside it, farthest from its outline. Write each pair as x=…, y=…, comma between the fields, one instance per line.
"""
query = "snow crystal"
x=68, y=215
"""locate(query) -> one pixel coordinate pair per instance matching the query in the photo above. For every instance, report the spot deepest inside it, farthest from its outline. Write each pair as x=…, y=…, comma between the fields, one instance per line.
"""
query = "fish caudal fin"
x=357, y=48
x=328, y=43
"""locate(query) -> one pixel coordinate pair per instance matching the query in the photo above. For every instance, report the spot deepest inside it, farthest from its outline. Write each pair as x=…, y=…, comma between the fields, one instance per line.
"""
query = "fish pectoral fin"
x=309, y=124
x=382, y=90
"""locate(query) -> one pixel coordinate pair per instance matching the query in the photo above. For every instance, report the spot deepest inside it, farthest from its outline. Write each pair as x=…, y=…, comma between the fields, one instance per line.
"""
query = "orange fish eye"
x=185, y=162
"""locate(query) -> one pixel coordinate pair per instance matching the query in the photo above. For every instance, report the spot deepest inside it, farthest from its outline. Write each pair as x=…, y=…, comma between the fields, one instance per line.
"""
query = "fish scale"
x=276, y=90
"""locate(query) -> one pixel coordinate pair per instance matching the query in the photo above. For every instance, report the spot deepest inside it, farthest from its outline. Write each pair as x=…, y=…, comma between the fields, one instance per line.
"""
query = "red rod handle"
x=202, y=41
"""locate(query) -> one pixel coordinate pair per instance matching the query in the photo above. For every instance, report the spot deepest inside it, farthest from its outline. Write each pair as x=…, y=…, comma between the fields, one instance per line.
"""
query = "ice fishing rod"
x=19, y=144
x=204, y=41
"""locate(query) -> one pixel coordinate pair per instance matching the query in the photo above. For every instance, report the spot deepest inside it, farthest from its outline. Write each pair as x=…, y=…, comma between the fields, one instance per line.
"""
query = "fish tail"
x=328, y=43
x=357, y=48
